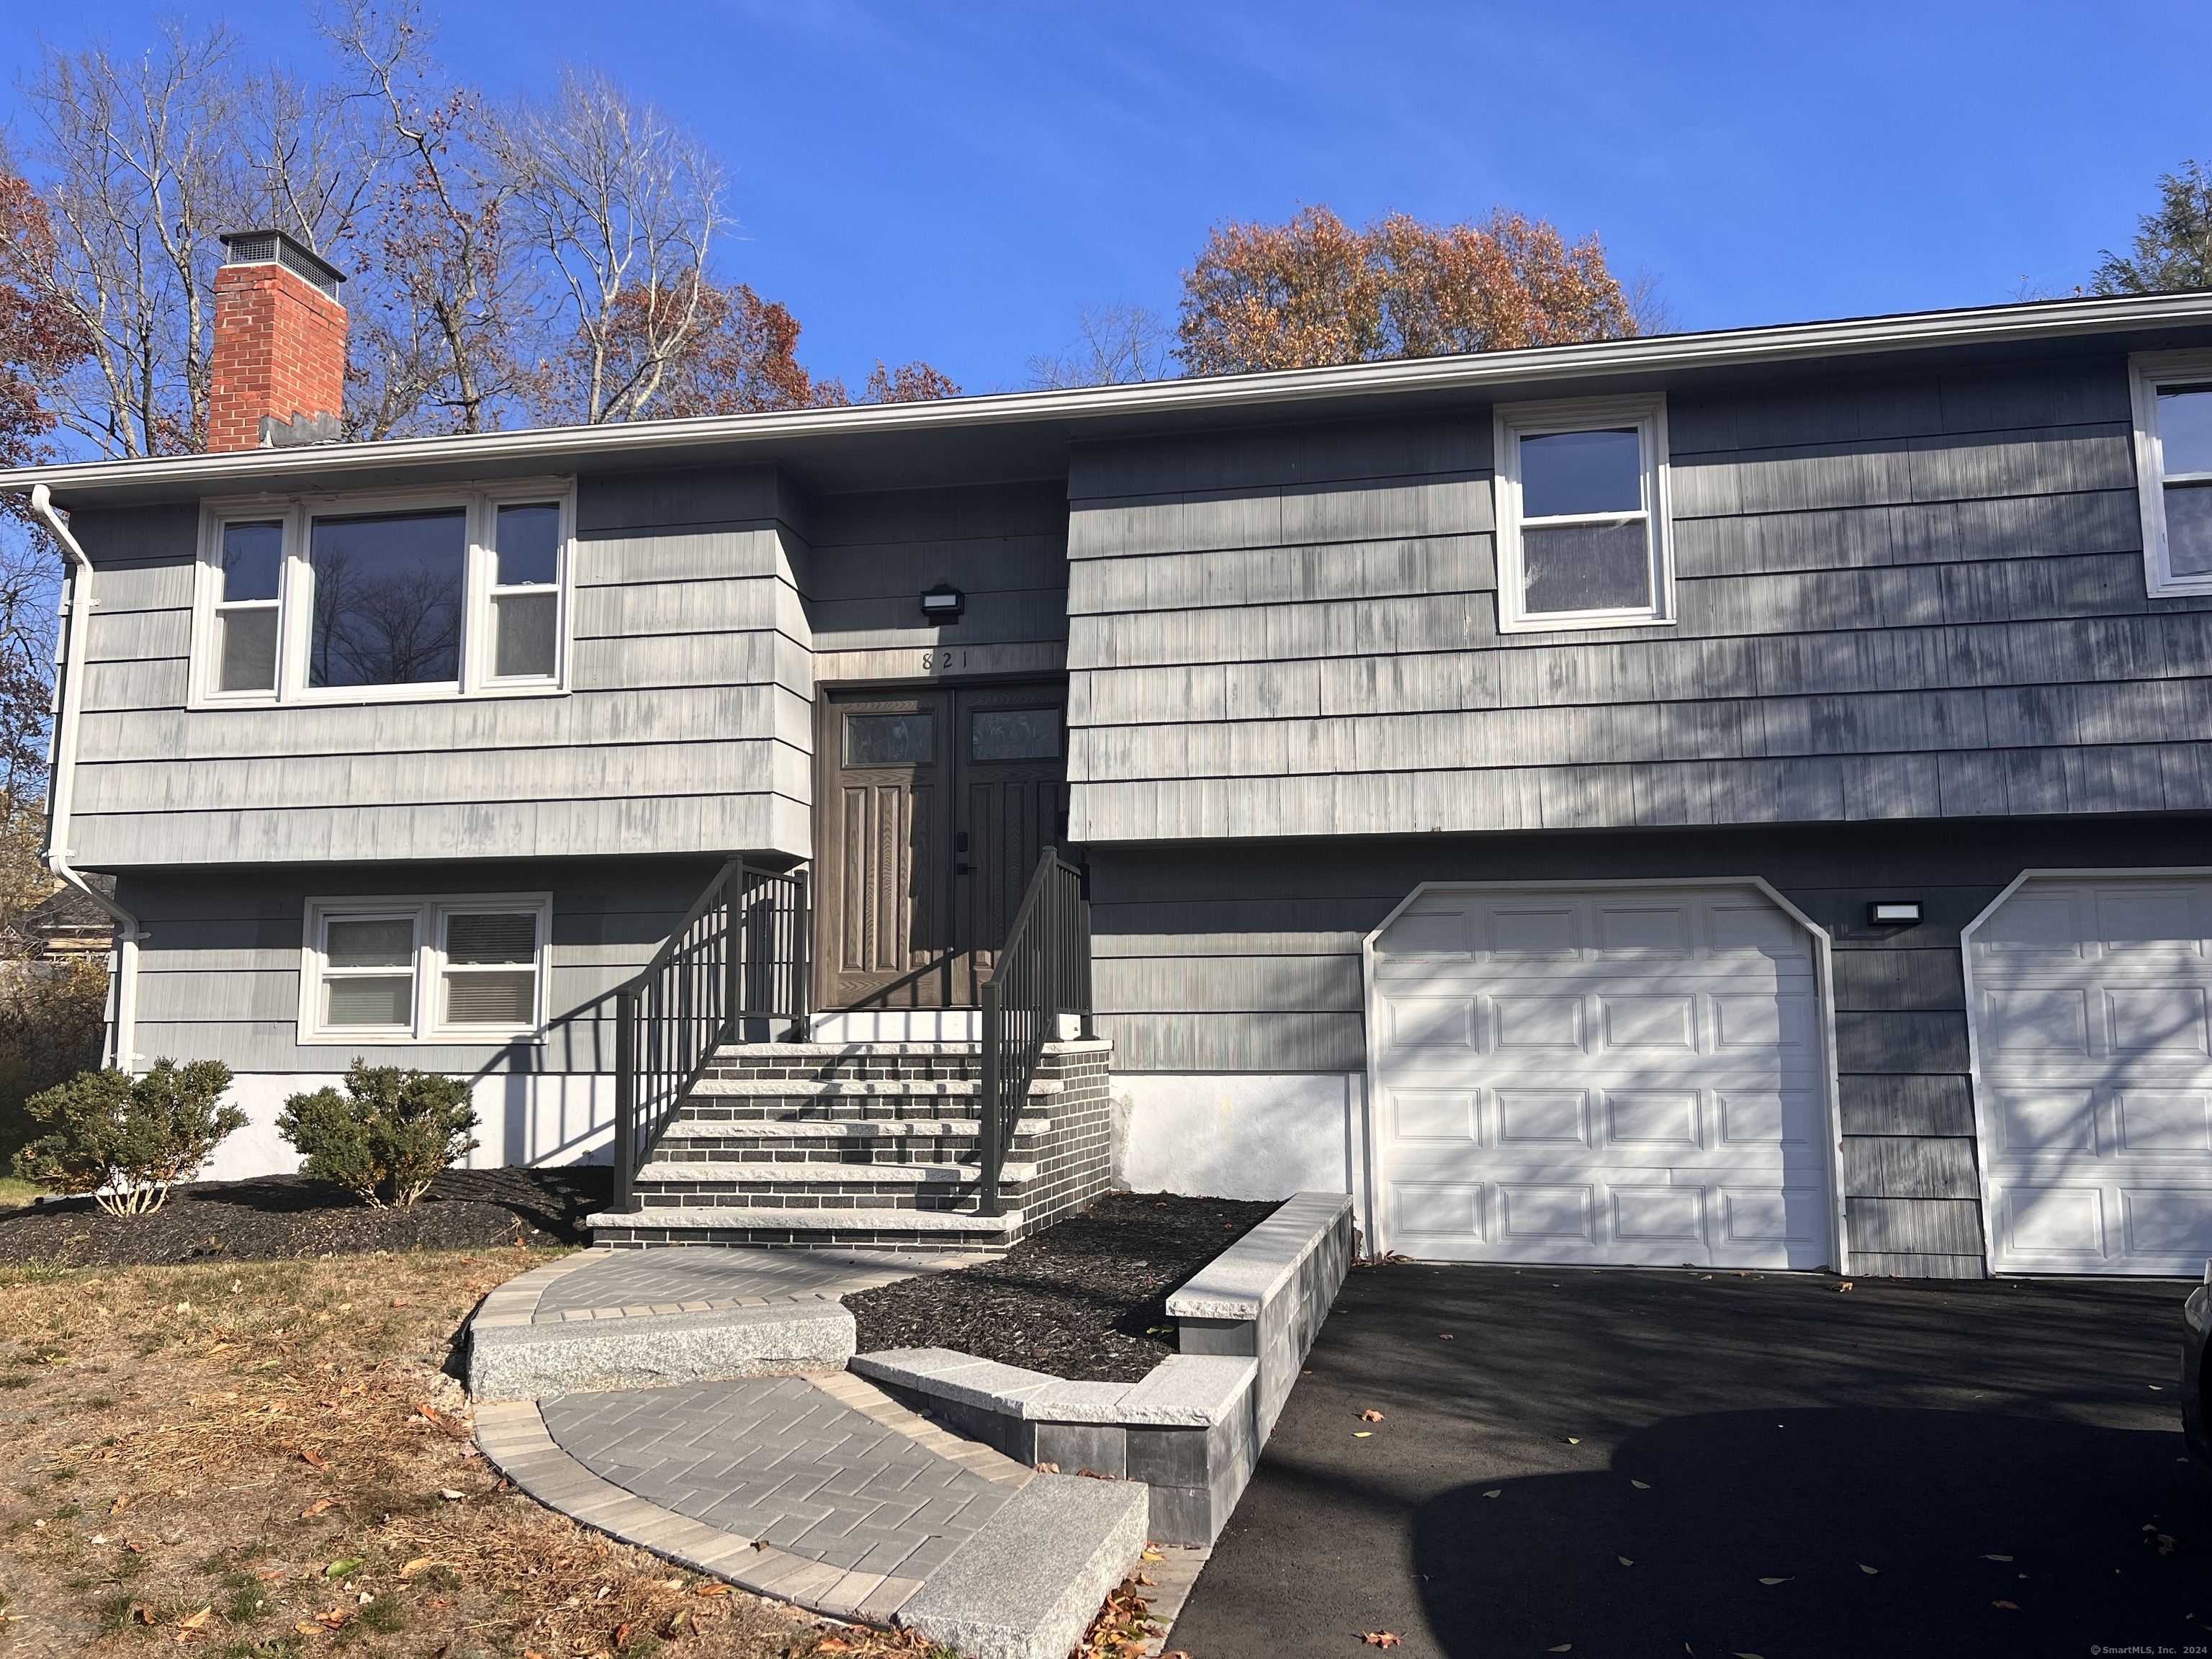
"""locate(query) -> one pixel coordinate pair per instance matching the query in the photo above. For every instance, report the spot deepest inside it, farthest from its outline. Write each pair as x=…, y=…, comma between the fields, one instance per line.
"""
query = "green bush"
x=127, y=1141
x=53, y=1014
x=385, y=1138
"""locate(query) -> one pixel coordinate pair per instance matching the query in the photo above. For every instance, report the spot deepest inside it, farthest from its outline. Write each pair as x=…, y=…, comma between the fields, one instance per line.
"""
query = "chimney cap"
x=262, y=248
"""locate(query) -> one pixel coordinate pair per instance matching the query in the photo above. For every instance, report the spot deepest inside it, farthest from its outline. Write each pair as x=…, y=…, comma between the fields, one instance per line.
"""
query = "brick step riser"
x=734, y=1151
x=890, y=1237
x=950, y=1067
x=958, y=1199
x=896, y=1108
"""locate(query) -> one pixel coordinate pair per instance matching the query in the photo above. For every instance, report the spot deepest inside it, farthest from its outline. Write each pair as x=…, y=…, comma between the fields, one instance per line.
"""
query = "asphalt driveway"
x=1974, y=1444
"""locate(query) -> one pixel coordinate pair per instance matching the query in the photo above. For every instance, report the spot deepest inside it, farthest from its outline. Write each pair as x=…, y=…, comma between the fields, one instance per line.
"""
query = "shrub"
x=385, y=1138
x=127, y=1141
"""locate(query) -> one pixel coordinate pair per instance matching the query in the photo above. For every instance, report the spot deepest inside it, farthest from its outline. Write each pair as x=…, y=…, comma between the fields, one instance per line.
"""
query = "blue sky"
x=952, y=181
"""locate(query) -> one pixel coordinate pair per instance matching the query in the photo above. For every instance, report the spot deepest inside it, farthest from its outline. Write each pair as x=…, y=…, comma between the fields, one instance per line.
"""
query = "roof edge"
x=1471, y=372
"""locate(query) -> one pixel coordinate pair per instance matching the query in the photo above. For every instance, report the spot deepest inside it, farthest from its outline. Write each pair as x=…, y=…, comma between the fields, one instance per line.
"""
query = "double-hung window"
x=451, y=970
x=2173, y=468
x=1582, y=533
x=425, y=595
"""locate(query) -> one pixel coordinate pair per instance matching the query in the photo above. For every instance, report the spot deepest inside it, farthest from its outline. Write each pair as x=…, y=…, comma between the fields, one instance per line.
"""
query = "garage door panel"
x=2093, y=1016
x=1612, y=1034
x=2047, y=1120
x=1649, y=1021
x=1433, y=1115
x=2166, y=1022
x=2172, y=1225
x=2160, y=1120
x=1431, y=1023
x=1652, y=1117
x=1542, y=1117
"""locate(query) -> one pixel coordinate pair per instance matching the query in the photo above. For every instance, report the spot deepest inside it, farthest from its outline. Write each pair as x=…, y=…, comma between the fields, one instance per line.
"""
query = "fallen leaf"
x=1864, y=1568
x=314, y=1458
x=1996, y=1558
x=1774, y=1581
x=1444, y=1336
x=334, y=1619
x=307, y=1629
x=1845, y=1285
x=1641, y=1486
x=141, y=1613
x=2010, y=1607
x=1379, y=1638
x=415, y=1566
x=341, y=1567
x=1563, y=1647
x=194, y=1620
x=1574, y=1440
x=1154, y=1553
x=2166, y=1542
x=622, y=1634
x=1371, y=1417
x=450, y=1495
x=116, y=1508
x=710, y=1589
x=1495, y=1491
x=1363, y=1434
x=316, y=1508
x=1624, y=1560
x=1148, y=1581
x=1047, y=1468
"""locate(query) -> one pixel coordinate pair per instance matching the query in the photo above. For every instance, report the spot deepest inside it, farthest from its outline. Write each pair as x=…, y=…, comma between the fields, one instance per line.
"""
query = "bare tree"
x=1115, y=345
x=141, y=181
x=456, y=299
x=623, y=207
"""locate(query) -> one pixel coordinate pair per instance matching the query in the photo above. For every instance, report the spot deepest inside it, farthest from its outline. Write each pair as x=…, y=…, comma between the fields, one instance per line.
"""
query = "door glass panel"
x=1009, y=734
x=890, y=739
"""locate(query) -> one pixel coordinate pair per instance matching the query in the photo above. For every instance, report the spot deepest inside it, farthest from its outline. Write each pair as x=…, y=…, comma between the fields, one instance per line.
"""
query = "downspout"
x=60, y=788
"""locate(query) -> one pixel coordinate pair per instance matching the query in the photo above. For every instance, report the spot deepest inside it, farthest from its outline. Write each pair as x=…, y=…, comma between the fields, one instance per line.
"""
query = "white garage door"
x=1632, y=1075
x=2094, y=1063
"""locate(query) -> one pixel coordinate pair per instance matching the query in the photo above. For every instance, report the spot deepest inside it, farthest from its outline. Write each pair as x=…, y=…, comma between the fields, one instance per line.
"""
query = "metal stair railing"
x=1043, y=971
x=736, y=962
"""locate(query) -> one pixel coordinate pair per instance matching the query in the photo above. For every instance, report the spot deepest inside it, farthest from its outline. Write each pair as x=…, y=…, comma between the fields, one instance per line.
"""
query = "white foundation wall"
x=1242, y=1134
x=524, y=1118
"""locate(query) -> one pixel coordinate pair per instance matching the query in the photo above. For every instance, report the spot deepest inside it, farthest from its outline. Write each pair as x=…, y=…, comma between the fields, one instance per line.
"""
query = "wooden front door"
x=933, y=806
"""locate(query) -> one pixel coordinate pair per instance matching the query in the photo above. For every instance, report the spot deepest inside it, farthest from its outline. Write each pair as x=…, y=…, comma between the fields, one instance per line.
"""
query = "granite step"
x=867, y=1228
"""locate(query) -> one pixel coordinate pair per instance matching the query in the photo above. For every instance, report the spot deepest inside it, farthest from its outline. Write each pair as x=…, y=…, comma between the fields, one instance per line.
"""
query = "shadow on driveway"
x=1782, y=1431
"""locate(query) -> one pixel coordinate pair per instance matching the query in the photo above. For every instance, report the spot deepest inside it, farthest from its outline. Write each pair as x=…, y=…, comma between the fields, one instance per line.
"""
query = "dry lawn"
x=266, y=1459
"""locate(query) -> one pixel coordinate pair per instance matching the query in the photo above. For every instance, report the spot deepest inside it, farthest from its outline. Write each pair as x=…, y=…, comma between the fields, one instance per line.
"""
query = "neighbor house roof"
x=1027, y=434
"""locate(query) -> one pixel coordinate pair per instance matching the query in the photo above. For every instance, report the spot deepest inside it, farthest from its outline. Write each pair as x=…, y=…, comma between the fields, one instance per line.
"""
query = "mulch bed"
x=1086, y=1299
x=278, y=1218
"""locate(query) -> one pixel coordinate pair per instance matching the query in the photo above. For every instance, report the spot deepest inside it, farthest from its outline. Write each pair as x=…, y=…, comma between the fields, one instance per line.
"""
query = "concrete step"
x=862, y=1228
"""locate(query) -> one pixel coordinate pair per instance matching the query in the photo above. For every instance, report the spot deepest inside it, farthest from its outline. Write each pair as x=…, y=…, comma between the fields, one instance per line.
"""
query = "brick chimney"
x=278, y=377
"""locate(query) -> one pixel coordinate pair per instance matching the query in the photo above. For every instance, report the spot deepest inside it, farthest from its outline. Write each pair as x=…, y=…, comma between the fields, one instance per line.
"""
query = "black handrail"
x=1043, y=971
x=737, y=963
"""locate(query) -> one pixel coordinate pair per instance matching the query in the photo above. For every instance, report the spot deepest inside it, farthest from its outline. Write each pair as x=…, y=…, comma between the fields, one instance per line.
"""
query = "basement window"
x=1582, y=534
x=353, y=600
x=465, y=969
x=2173, y=468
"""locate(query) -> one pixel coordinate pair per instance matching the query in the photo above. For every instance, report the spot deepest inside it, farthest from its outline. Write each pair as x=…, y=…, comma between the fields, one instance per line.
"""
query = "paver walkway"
x=815, y=1488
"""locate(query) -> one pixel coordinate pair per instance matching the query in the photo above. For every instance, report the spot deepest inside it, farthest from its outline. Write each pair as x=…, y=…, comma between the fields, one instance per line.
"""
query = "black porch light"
x=943, y=603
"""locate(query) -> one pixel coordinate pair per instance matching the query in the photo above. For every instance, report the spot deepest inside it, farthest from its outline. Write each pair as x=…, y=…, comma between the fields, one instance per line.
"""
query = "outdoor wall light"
x=943, y=603
x=1893, y=913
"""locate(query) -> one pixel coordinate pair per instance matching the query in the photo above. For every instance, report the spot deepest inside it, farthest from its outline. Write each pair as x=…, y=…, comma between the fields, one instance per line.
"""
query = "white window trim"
x=2145, y=370
x=296, y=588
x=1515, y=421
x=428, y=911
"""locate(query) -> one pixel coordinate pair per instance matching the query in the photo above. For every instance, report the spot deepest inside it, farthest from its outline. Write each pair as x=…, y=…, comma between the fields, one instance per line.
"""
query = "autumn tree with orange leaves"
x=1316, y=292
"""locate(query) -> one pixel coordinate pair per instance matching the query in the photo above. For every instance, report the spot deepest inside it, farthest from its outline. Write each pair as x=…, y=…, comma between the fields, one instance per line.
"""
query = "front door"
x=935, y=804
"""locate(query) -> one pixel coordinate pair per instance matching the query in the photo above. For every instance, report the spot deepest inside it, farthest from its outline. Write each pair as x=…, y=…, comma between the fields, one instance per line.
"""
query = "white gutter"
x=1478, y=373
x=61, y=788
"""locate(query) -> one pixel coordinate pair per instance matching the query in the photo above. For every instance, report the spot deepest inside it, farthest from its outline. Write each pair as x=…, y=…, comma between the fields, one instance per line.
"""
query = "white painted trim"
x=1982, y=1141
x=1509, y=422
x=1498, y=373
x=2145, y=370
x=1824, y=970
